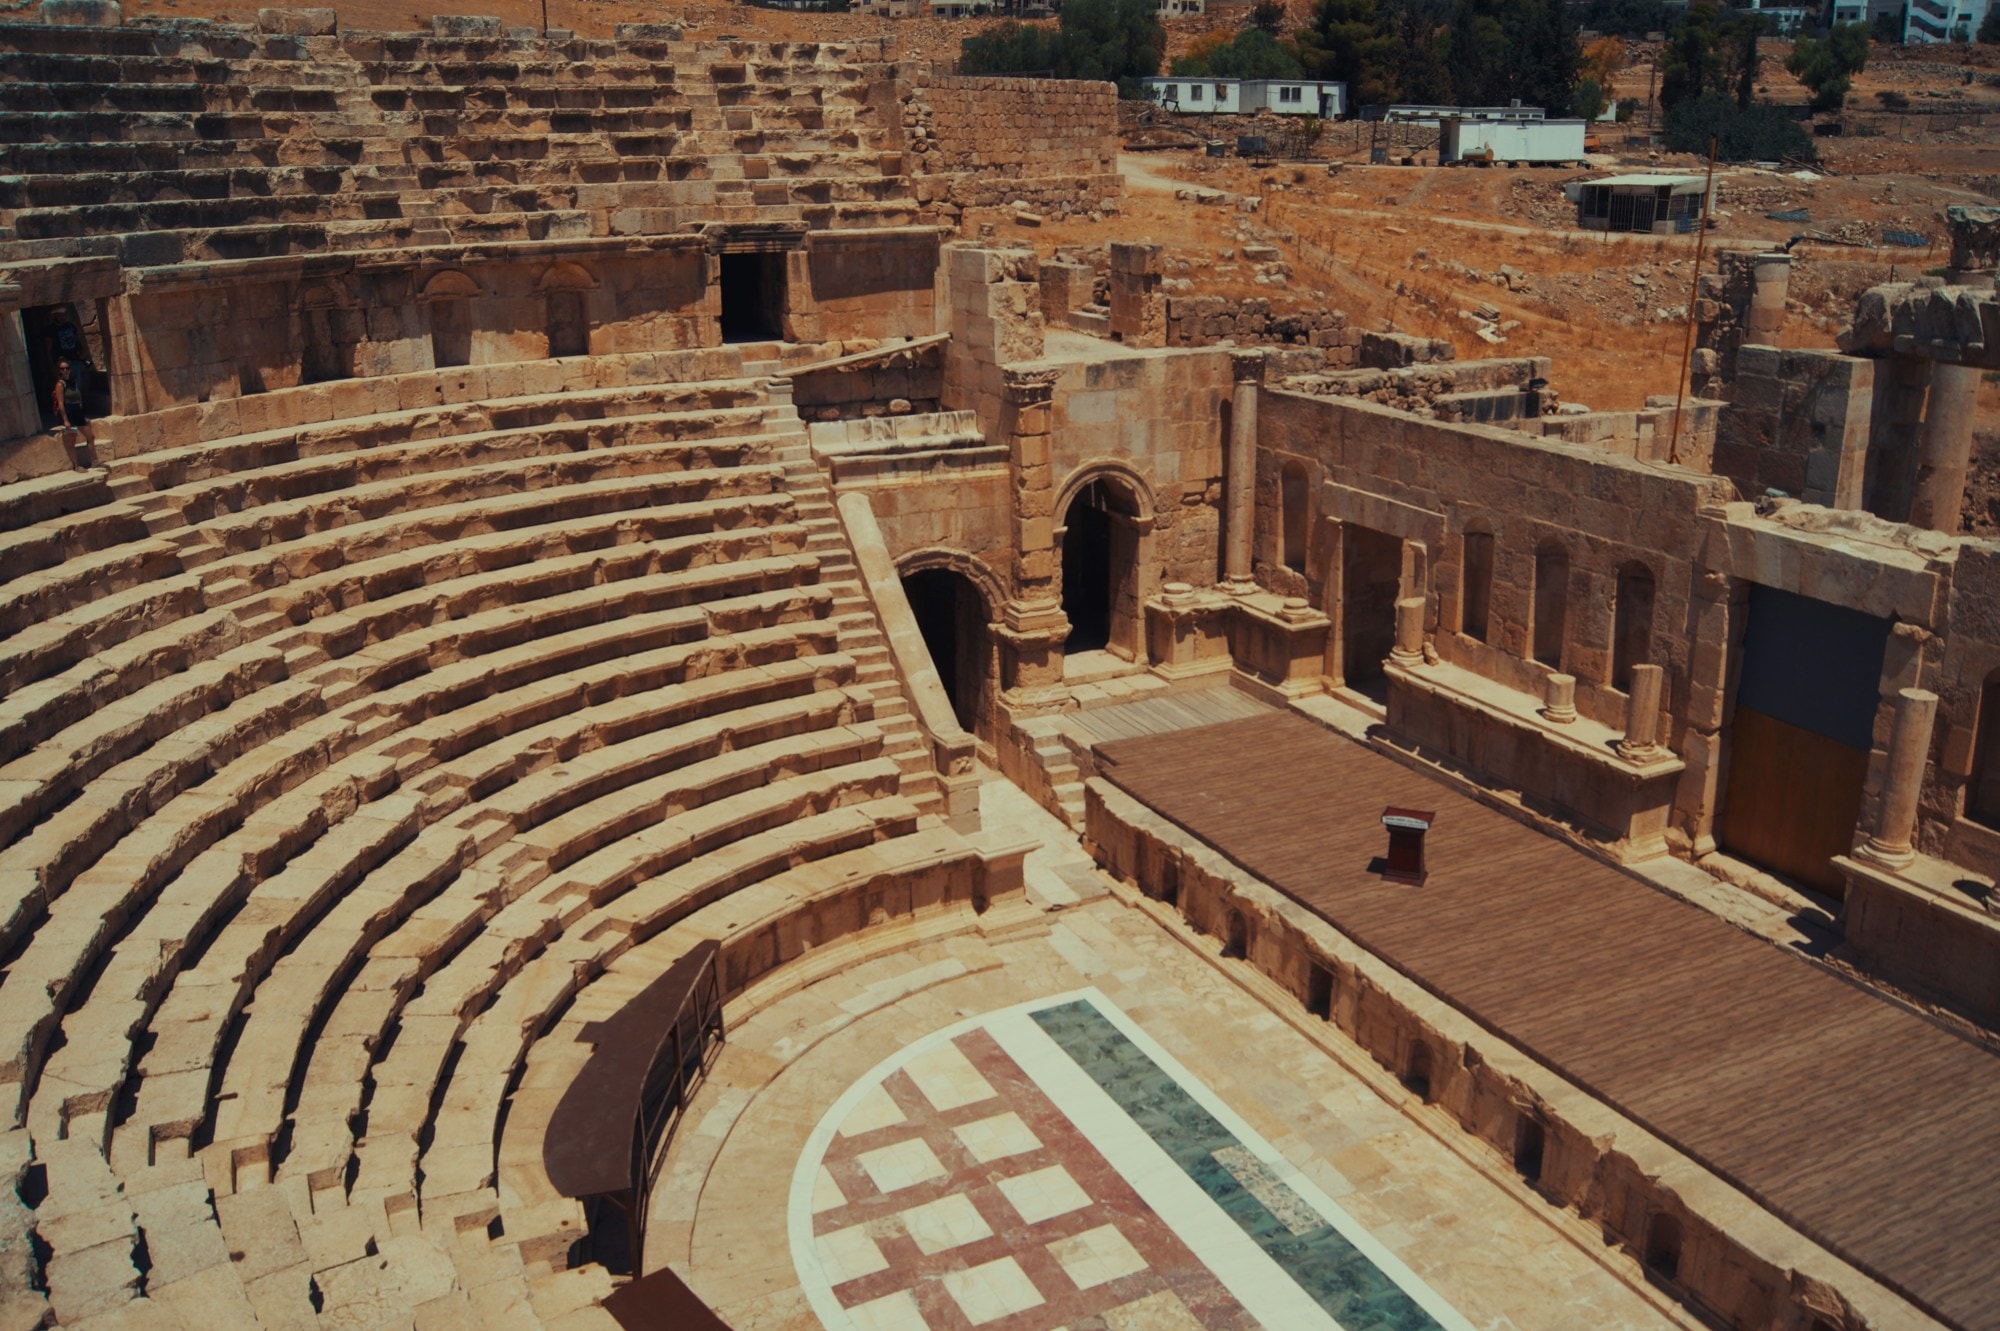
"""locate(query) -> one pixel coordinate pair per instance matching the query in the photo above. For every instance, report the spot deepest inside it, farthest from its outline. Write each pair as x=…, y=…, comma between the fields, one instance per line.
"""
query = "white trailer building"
x=1534, y=142
x=1285, y=97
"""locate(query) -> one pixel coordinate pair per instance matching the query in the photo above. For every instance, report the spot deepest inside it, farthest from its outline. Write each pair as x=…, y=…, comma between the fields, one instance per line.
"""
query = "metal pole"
x=1694, y=298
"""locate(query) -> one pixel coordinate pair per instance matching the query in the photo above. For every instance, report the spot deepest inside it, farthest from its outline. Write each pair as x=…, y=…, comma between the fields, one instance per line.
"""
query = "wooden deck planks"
x=1874, y=1131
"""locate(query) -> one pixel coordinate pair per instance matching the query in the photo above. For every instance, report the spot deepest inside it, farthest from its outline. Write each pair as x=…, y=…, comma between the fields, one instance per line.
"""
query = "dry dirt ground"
x=1419, y=249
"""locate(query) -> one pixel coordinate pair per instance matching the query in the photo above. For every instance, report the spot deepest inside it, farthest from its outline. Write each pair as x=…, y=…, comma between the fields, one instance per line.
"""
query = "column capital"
x=1029, y=388
x=1246, y=367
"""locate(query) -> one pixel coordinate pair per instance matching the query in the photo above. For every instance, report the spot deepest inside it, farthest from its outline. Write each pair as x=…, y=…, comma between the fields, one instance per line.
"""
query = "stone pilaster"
x=1032, y=625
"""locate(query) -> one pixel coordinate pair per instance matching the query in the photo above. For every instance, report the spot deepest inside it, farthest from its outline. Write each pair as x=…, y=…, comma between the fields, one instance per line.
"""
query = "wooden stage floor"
x=1869, y=1128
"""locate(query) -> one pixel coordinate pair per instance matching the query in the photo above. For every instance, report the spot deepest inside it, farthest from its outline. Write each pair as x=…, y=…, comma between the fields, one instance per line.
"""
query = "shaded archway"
x=1982, y=796
x=952, y=614
x=1475, y=585
x=1551, y=603
x=1105, y=515
x=1294, y=514
x=447, y=298
x=567, y=287
x=1631, y=623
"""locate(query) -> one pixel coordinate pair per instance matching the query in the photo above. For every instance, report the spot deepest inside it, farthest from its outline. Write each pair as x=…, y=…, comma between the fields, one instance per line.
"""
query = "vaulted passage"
x=952, y=619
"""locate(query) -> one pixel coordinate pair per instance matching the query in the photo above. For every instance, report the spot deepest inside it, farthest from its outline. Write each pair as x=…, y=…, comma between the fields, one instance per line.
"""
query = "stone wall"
x=1203, y=321
x=865, y=284
x=1051, y=144
x=195, y=333
x=1157, y=427
x=1798, y=422
x=1427, y=483
x=1739, y=1264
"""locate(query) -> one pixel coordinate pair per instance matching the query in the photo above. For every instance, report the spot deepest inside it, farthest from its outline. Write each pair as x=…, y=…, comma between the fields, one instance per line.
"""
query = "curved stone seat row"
x=337, y=758
x=491, y=396
x=191, y=790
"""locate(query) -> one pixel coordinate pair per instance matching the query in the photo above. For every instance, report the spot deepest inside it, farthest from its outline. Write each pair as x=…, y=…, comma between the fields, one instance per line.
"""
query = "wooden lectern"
x=1406, y=843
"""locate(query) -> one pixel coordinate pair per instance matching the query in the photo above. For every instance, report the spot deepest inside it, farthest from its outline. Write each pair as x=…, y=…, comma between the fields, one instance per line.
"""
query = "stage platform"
x=1868, y=1127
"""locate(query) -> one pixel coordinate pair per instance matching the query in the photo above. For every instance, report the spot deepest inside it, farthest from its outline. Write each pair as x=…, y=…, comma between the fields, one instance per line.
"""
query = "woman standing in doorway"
x=72, y=424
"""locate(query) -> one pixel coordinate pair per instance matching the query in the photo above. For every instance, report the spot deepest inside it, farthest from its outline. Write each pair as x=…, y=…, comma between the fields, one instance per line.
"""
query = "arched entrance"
x=952, y=614
x=1103, y=524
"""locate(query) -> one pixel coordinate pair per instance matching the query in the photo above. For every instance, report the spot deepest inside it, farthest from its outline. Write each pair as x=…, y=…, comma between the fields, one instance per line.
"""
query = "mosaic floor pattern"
x=1086, y=1124
x=1051, y=1166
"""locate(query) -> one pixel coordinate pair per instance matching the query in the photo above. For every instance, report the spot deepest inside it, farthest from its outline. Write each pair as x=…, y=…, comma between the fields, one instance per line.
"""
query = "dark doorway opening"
x=1371, y=580
x=57, y=332
x=1086, y=563
x=451, y=333
x=1417, y=1072
x=1238, y=942
x=1663, y=1247
x=753, y=297
x=1800, y=734
x=1530, y=1140
x=1319, y=992
x=569, y=327
x=952, y=618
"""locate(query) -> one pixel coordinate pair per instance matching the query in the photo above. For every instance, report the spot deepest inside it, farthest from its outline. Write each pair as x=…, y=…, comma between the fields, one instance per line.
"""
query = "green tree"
x=1009, y=48
x=1419, y=33
x=1762, y=133
x=1589, y=100
x=1255, y=54
x=1479, y=58
x=1547, y=57
x=1826, y=64
x=1748, y=28
x=1268, y=16
x=1346, y=41
x=1989, y=27
x=1119, y=41
x=1692, y=64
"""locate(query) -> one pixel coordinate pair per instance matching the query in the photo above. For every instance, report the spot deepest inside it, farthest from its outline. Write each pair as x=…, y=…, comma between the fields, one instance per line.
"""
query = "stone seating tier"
x=337, y=757
x=321, y=136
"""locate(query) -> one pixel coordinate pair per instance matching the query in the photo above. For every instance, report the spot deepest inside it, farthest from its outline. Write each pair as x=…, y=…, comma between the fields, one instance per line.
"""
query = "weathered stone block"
x=466, y=26
x=299, y=22
x=83, y=13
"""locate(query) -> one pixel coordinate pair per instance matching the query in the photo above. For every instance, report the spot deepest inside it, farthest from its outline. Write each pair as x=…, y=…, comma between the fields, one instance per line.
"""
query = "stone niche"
x=1567, y=767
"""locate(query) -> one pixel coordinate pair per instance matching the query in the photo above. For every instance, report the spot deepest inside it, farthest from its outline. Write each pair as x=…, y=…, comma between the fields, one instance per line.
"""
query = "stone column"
x=1770, y=279
x=1559, y=699
x=1240, y=478
x=1944, y=447
x=1909, y=747
x=1409, y=648
x=1642, y=715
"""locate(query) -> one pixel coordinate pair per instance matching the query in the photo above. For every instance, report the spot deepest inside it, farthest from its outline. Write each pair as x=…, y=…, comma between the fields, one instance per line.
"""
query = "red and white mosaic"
x=955, y=1194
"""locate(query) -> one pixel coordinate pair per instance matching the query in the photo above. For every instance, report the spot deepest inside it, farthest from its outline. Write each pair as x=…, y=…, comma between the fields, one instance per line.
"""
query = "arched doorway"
x=952, y=616
x=1100, y=568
